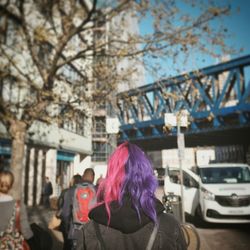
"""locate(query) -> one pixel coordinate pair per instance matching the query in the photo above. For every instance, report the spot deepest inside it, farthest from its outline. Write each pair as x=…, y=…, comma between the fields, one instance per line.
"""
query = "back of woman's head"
x=130, y=174
x=6, y=181
x=88, y=175
x=76, y=179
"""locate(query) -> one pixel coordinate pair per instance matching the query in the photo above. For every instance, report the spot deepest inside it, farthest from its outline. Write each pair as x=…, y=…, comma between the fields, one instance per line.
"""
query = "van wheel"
x=198, y=216
x=198, y=212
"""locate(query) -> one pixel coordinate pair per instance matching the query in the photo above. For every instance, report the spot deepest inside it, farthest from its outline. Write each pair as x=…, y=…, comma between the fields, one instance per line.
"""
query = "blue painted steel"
x=5, y=147
x=65, y=156
x=215, y=98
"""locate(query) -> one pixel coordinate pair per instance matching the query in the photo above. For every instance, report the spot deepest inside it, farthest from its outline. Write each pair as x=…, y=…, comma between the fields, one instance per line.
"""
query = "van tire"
x=198, y=212
x=198, y=216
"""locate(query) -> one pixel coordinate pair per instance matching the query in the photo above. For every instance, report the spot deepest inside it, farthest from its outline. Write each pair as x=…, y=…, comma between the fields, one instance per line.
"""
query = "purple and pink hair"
x=129, y=173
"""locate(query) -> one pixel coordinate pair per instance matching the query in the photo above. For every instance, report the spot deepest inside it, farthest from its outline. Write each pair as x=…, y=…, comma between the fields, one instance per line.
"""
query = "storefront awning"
x=65, y=156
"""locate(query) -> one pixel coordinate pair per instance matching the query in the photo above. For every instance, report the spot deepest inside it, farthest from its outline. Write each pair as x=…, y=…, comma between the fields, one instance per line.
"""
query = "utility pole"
x=179, y=120
x=181, y=149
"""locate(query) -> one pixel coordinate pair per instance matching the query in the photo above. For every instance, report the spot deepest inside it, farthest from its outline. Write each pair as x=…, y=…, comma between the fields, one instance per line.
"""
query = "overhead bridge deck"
x=215, y=99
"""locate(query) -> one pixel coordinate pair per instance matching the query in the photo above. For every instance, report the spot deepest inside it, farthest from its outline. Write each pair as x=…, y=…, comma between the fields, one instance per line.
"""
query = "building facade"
x=56, y=149
x=130, y=72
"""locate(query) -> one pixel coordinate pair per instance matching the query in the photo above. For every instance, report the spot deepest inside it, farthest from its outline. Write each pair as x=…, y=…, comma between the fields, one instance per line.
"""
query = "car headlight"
x=207, y=195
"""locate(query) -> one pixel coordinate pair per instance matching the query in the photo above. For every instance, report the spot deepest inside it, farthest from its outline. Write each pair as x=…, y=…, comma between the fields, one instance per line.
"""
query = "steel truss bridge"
x=216, y=100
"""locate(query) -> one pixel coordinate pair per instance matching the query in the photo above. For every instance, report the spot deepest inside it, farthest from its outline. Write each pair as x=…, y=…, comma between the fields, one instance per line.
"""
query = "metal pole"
x=181, y=147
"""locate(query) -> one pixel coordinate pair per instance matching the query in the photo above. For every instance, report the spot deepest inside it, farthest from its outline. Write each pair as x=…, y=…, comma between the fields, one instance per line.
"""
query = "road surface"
x=213, y=236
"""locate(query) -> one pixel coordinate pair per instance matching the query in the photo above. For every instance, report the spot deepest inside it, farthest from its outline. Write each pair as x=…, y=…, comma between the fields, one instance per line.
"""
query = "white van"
x=217, y=193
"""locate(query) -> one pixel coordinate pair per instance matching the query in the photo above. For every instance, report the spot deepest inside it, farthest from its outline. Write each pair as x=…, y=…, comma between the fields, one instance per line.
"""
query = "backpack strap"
x=18, y=223
x=99, y=236
x=152, y=237
x=149, y=245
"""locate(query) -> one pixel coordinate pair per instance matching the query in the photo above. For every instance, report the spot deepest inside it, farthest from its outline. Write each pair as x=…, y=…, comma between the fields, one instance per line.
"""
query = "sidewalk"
x=42, y=217
x=193, y=241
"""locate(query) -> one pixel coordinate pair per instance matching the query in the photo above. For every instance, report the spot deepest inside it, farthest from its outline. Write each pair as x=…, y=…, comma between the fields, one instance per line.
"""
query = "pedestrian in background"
x=73, y=236
x=47, y=192
x=64, y=207
x=88, y=175
x=128, y=215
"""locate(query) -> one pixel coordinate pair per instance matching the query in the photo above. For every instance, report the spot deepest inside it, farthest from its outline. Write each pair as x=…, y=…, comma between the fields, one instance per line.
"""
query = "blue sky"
x=238, y=25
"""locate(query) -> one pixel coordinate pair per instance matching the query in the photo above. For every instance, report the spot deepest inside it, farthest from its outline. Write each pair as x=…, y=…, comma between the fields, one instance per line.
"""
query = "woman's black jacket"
x=126, y=232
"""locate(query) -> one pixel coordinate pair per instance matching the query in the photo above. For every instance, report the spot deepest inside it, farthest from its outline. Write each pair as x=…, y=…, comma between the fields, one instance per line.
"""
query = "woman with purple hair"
x=128, y=215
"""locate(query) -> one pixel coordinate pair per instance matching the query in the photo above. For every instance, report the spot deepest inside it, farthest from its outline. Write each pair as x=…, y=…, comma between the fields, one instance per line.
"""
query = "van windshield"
x=225, y=175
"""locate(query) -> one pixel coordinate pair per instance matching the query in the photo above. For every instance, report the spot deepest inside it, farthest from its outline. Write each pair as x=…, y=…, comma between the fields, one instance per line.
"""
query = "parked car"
x=217, y=193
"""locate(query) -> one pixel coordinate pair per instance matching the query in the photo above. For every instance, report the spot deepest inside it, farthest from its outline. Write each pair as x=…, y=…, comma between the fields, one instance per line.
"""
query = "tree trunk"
x=17, y=131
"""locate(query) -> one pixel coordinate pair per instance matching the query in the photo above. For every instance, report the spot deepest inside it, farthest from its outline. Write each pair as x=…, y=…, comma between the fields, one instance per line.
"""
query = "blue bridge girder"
x=216, y=100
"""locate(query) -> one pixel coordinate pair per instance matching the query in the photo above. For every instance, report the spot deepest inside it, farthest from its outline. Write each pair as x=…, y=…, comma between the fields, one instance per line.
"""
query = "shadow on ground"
x=197, y=222
x=42, y=217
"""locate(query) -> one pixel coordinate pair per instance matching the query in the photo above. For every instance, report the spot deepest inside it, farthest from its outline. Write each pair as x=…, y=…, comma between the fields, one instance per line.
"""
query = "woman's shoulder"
x=171, y=231
x=7, y=205
x=6, y=198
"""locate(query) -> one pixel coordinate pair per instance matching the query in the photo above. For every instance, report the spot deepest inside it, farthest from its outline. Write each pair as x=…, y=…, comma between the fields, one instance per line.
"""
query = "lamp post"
x=181, y=149
x=179, y=120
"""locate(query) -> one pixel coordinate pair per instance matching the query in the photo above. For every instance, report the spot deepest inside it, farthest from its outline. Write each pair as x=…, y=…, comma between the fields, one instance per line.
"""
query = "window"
x=225, y=175
x=101, y=151
x=188, y=180
x=75, y=124
x=99, y=127
x=44, y=52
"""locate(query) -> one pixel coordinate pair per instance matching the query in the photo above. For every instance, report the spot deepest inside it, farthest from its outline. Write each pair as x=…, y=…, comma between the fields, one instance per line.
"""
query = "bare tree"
x=59, y=57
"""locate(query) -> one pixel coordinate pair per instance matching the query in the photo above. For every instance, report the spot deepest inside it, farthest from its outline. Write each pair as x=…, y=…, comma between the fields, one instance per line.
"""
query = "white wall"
x=51, y=135
x=80, y=166
x=100, y=170
x=51, y=167
x=204, y=155
x=39, y=176
x=170, y=158
x=31, y=177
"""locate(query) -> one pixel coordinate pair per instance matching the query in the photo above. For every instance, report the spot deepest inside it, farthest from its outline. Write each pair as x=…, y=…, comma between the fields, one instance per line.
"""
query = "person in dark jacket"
x=47, y=192
x=64, y=209
x=128, y=215
x=71, y=237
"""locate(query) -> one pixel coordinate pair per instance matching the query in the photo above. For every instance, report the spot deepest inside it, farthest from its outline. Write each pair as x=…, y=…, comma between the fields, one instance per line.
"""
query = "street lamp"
x=179, y=120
